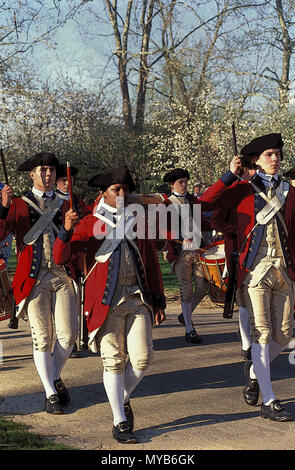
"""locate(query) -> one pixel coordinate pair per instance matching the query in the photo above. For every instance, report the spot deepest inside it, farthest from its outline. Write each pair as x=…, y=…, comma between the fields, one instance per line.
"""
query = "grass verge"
x=169, y=278
x=15, y=436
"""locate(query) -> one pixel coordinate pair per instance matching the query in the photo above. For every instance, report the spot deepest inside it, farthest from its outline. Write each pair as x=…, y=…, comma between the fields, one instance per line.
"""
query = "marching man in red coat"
x=123, y=291
x=42, y=290
x=265, y=211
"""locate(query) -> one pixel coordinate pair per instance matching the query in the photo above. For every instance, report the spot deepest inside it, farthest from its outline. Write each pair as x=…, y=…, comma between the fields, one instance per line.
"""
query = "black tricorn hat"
x=175, y=175
x=262, y=143
x=41, y=158
x=119, y=175
x=290, y=173
x=61, y=170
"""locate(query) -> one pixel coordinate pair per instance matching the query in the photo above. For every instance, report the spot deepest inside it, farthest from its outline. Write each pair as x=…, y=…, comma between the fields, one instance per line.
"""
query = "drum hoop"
x=212, y=261
x=203, y=259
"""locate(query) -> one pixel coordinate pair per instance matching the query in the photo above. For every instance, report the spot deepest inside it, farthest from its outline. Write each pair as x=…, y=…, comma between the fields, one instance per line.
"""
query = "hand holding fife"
x=7, y=195
x=235, y=165
x=71, y=219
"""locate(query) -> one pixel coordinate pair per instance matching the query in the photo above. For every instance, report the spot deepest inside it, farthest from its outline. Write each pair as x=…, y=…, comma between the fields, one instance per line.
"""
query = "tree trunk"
x=147, y=10
x=121, y=53
x=284, y=85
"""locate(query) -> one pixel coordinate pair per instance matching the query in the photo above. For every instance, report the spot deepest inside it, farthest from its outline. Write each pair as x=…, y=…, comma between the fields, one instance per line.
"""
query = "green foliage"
x=169, y=278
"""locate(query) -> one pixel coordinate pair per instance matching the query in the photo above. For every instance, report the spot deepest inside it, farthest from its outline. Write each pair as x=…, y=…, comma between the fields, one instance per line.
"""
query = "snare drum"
x=213, y=263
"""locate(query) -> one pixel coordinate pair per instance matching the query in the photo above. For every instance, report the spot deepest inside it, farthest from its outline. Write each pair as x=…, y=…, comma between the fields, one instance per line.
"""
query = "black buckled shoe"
x=129, y=415
x=63, y=394
x=251, y=389
x=193, y=337
x=275, y=411
x=123, y=434
x=53, y=405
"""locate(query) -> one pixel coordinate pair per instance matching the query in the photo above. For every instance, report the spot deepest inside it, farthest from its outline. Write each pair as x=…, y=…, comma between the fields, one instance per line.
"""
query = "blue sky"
x=72, y=57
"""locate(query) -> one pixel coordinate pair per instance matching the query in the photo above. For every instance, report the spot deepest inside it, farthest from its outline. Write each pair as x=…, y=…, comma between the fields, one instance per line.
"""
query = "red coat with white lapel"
x=101, y=282
x=241, y=197
x=18, y=220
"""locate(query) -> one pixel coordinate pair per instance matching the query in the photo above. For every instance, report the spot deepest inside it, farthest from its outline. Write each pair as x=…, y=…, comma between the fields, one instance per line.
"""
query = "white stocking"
x=114, y=387
x=244, y=328
x=60, y=356
x=132, y=377
x=187, y=316
x=43, y=363
x=261, y=366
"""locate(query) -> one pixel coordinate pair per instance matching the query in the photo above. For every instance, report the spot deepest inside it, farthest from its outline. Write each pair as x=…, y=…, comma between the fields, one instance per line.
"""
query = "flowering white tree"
x=202, y=142
x=78, y=126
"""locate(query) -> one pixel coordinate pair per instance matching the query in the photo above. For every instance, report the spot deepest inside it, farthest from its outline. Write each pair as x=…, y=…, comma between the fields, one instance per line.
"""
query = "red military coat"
x=101, y=282
x=242, y=198
x=18, y=220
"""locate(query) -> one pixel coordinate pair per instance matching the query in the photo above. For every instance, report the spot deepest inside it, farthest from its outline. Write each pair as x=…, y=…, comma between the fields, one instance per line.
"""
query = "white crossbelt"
x=273, y=205
x=43, y=222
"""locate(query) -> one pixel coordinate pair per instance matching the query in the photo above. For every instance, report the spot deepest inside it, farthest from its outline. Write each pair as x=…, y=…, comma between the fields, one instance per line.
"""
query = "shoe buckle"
x=53, y=399
x=123, y=427
x=278, y=406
